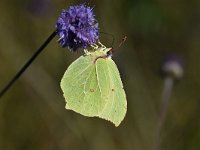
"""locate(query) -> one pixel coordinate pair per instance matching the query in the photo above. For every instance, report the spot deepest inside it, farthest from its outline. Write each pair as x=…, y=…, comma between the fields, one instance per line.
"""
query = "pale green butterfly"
x=92, y=86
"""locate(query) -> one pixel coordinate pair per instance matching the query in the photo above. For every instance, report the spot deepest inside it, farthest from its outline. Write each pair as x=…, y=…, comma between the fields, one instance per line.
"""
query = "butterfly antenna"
x=122, y=42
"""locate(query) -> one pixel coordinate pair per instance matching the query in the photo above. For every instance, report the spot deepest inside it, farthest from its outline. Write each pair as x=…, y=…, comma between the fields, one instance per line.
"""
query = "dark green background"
x=32, y=113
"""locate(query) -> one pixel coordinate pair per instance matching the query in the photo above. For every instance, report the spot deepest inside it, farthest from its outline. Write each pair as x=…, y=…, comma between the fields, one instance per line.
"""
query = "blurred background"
x=33, y=114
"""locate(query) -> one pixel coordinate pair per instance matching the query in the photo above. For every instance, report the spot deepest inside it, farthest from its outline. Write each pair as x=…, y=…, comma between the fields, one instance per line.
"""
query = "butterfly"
x=92, y=86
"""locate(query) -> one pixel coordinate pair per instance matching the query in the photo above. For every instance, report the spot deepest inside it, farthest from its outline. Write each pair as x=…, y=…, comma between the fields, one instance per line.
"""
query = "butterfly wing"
x=112, y=91
x=94, y=89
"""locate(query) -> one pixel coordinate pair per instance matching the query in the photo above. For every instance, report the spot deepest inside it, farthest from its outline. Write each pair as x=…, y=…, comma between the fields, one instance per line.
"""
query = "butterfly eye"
x=109, y=53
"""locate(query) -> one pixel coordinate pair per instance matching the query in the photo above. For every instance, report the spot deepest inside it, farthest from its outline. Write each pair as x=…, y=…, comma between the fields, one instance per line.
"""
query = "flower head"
x=173, y=67
x=77, y=27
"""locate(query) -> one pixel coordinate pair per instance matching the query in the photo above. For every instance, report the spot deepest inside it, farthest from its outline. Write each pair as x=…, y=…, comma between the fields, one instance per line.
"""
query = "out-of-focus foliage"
x=33, y=114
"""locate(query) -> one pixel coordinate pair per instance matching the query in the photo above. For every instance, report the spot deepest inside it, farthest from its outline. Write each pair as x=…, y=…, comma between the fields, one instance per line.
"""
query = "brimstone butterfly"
x=92, y=87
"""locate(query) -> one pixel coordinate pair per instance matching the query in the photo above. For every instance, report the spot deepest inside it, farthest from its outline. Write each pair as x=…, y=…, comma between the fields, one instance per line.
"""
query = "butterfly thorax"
x=100, y=52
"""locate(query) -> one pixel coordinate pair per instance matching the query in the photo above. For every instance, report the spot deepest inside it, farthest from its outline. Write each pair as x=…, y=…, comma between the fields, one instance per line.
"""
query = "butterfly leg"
x=86, y=52
x=94, y=46
x=104, y=47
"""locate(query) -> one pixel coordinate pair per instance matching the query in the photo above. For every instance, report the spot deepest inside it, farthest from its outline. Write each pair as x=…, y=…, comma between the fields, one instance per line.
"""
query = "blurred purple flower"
x=77, y=27
x=172, y=66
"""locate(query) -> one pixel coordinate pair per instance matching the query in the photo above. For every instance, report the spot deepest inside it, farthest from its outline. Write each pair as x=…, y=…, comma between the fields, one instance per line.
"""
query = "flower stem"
x=27, y=64
x=167, y=89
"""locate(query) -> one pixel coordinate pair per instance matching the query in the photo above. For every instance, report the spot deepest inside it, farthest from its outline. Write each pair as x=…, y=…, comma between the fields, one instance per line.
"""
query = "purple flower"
x=77, y=27
x=173, y=66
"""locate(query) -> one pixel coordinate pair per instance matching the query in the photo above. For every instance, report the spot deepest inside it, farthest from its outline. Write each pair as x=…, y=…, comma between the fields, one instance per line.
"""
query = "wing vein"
x=97, y=76
x=80, y=73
